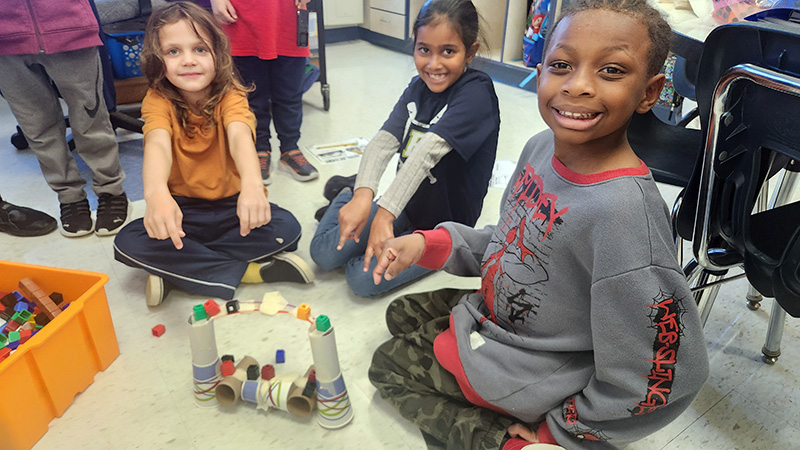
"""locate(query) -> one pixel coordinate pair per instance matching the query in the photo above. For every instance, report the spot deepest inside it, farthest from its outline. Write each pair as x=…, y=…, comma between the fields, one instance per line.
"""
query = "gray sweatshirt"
x=584, y=317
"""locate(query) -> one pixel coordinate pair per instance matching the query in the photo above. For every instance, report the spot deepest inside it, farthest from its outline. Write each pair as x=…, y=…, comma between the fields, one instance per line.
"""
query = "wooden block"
x=34, y=293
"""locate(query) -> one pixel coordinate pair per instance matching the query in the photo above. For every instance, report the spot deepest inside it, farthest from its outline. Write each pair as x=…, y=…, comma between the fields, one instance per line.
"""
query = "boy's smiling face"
x=594, y=77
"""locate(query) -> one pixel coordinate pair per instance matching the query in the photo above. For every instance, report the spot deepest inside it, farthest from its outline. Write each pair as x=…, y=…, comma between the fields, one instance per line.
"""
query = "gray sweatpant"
x=25, y=81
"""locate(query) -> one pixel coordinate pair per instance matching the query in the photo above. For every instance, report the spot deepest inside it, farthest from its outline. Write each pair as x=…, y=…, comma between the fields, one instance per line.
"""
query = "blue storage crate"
x=125, y=50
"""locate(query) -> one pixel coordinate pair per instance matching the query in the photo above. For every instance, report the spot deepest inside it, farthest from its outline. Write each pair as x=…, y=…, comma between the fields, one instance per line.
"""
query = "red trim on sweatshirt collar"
x=592, y=178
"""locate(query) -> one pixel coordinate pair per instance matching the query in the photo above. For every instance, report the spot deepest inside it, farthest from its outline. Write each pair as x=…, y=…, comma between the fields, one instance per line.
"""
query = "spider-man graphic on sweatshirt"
x=584, y=318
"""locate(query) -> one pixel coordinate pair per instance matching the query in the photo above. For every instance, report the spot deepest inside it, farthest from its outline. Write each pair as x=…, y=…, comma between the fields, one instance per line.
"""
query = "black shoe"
x=286, y=267
x=112, y=212
x=336, y=184
x=321, y=212
x=21, y=221
x=76, y=219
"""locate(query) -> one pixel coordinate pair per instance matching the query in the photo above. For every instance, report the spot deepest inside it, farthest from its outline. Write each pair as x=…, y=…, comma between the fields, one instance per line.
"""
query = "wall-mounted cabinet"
x=340, y=13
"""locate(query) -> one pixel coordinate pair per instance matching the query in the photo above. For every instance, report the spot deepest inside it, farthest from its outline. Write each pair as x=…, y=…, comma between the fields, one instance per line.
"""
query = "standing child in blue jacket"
x=49, y=48
x=584, y=332
x=445, y=126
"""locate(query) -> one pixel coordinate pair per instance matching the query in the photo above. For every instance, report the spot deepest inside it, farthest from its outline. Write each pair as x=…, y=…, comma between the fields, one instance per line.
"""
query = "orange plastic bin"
x=40, y=379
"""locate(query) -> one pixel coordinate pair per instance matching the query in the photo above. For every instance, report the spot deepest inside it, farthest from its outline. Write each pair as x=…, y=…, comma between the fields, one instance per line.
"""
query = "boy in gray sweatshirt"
x=584, y=332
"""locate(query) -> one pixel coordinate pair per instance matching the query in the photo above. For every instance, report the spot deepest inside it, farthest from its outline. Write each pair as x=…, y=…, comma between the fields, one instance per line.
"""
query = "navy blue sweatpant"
x=278, y=97
x=214, y=256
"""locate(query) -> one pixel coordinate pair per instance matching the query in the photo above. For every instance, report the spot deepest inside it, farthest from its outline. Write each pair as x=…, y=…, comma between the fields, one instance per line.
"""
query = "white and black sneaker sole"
x=154, y=290
x=107, y=232
x=79, y=233
x=295, y=175
x=286, y=267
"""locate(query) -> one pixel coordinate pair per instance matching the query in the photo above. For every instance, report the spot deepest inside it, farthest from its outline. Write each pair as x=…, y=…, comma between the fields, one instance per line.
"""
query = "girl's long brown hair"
x=154, y=68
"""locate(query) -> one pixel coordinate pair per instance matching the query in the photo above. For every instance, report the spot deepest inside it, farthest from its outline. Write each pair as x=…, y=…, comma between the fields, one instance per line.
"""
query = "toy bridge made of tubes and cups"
x=297, y=395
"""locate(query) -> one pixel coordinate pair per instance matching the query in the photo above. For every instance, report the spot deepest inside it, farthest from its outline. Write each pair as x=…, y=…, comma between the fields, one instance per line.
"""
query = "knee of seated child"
x=361, y=282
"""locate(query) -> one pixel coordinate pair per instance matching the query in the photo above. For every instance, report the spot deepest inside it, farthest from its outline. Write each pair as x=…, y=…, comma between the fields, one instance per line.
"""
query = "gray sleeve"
x=373, y=163
x=468, y=247
x=427, y=153
x=650, y=359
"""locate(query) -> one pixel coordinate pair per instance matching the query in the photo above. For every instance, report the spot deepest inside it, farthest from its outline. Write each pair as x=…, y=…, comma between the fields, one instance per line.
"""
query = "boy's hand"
x=252, y=208
x=382, y=229
x=224, y=11
x=398, y=255
x=521, y=431
x=301, y=4
x=163, y=219
x=354, y=215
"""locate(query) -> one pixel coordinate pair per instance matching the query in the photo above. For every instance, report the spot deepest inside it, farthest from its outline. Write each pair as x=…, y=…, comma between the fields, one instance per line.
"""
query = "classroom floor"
x=144, y=399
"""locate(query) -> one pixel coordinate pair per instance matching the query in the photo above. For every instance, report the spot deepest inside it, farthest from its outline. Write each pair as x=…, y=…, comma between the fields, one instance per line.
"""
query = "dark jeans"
x=278, y=97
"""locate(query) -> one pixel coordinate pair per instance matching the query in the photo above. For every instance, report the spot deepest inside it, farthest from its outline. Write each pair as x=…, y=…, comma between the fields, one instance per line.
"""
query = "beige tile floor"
x=143, y=400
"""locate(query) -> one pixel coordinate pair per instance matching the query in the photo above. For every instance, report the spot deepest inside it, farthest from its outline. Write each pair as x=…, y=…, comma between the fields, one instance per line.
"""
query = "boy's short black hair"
x=658, y=29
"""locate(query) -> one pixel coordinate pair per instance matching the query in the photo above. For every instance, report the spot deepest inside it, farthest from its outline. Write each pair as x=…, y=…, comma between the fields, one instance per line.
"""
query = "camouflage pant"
x=407, y=374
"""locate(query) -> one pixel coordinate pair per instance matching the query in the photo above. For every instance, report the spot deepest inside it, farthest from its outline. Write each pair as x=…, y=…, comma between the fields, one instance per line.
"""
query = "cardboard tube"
x=205, y=363
x=323, y=351
x=230, y=388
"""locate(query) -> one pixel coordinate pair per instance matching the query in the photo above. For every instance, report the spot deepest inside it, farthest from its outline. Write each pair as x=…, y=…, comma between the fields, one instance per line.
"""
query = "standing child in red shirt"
x=263, y=39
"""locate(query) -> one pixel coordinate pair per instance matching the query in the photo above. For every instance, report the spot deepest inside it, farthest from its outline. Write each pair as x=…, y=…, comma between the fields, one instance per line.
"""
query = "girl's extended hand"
x=398, y=255
x=163, y=219
x=224, y=11
x=252, y=208
x=382, y=229
x=354, y=215
x=301, y=4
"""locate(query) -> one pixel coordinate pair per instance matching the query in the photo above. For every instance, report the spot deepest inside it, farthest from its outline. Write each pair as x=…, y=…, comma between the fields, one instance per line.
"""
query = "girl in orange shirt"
x=208, y=225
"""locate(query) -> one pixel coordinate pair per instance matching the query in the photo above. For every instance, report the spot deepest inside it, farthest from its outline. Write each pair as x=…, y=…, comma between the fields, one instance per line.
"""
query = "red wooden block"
x=211, y=307
x=227, y=368
x=24, y=335
x=268, y=372
x=34, y=293
x=158, y=330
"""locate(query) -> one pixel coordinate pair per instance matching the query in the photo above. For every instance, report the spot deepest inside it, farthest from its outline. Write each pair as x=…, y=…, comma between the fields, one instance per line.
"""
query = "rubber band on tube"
x=333, y=403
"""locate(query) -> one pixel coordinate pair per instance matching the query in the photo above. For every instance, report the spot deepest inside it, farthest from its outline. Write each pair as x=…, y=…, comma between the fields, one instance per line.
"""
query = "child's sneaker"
x=298, y=166
x=112, y=212
x=76, y=219
x=21, y=221
x=265, y=160
x=156, y=290
x=335, y=185
x=286, y=267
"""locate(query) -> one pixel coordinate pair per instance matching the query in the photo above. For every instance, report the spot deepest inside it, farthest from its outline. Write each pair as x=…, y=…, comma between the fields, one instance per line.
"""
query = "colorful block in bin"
x=24, y=335
x=232, y=306
x=64, y=361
